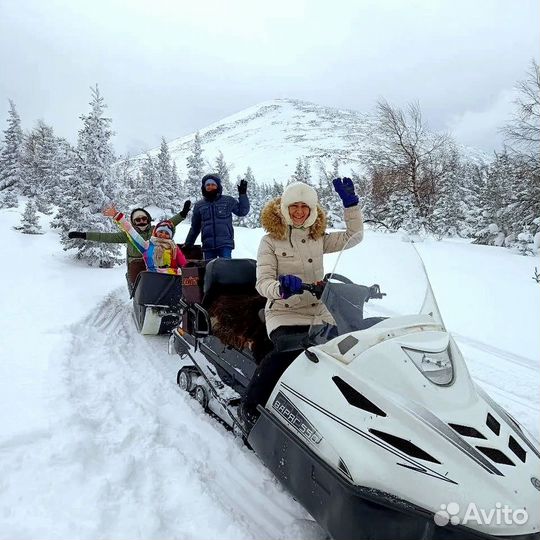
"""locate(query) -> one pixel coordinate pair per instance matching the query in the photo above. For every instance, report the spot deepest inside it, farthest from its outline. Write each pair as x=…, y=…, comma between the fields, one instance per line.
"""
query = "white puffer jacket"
x=289, y=250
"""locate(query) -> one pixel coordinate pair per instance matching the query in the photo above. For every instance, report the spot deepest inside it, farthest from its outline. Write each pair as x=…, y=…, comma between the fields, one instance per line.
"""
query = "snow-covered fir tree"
x=222, y=169
x=471, y=185
x=328, y=198
x=91, y=187
x=10, y=155
x=8, y=199
x=301, y=172
x=275, y=190
x=448, y=213
x=30, y=219
x=146, y=182
x=165, y=195
x=124, y=182
x=44, y=206
x=523, y=139
x=496, y=196
x=65, y=170
x=177, y=185
x=40, y=162
x=256, y=201
x=195, y=169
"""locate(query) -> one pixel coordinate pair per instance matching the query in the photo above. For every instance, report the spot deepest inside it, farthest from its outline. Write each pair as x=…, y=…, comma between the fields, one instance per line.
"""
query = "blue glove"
x=289, y=285
x=345, y=189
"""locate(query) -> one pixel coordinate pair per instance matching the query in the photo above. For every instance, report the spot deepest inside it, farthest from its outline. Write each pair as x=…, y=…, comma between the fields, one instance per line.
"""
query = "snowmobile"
x=156, y=297
x=379, y=432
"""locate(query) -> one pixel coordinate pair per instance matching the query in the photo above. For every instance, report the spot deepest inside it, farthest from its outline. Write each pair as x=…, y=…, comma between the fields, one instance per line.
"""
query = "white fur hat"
x=299, y=192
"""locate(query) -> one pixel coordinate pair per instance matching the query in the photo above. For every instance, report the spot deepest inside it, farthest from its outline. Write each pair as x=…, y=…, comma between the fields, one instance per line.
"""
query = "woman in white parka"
x=290, y=254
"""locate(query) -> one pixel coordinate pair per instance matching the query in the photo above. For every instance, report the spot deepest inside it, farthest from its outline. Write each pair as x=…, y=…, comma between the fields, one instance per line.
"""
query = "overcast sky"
x=169, y=67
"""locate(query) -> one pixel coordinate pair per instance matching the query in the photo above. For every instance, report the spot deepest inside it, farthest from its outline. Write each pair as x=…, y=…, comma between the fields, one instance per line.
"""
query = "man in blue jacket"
x=212, y=217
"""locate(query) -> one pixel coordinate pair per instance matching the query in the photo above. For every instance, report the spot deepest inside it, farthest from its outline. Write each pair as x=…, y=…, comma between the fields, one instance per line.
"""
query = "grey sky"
x=169, y=67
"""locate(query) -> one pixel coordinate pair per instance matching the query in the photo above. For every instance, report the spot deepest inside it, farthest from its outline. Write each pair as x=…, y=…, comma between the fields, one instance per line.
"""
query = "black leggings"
x=287, y=342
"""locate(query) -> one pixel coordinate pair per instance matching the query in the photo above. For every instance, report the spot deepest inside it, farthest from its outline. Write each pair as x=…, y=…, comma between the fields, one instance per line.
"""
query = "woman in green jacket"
x=142, y=221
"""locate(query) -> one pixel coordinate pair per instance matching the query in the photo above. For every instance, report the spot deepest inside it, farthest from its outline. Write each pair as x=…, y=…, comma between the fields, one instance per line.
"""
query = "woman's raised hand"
x=109, y=210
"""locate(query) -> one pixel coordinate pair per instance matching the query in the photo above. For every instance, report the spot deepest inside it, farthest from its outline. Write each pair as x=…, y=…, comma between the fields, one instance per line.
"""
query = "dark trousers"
x=287, y=342
x=135, y=267
x=224, y=252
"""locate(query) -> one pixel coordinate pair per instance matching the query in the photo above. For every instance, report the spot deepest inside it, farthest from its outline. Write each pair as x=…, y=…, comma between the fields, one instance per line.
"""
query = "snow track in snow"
x=133, y=456
x=495, y=351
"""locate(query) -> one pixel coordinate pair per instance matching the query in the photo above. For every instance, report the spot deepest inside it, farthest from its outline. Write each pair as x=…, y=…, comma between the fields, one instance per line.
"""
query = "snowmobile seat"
x=229, y=276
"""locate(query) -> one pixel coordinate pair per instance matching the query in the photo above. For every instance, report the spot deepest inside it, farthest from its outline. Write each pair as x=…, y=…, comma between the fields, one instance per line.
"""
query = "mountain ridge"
x=270, y=136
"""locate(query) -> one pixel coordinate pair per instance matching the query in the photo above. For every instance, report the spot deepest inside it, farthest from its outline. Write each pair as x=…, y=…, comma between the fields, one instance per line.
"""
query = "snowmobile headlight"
x=435, y=366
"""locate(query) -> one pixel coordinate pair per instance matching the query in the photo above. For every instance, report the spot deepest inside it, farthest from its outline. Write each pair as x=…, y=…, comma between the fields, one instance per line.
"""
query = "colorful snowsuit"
x=169, y=263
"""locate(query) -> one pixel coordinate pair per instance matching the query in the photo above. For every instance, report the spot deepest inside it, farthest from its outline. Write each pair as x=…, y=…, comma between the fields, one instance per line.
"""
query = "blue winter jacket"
x=213, y=219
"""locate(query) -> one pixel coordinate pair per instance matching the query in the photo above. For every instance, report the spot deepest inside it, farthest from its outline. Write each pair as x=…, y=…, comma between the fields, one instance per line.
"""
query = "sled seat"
x=229, y=276
x=231, y=305
x=156, y=289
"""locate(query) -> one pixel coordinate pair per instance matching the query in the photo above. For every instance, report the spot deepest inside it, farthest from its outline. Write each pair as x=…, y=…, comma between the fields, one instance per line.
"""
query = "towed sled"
x=379, y=432
x=156, y=299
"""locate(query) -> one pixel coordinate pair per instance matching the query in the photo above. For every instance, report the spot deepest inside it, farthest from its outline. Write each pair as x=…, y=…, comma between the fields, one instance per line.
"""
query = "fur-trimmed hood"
x=274, y=224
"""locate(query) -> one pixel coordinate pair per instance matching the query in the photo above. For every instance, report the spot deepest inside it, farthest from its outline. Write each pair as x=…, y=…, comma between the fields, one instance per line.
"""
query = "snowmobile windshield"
x=381, y=277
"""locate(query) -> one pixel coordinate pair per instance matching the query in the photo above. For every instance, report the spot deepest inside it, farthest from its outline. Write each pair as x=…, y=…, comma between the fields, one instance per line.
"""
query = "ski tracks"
x=127, y=454
x=510, y=379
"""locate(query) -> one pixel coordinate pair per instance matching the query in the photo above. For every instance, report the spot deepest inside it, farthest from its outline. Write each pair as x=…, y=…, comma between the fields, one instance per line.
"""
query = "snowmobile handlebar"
x=317, y=288
x=375, y=292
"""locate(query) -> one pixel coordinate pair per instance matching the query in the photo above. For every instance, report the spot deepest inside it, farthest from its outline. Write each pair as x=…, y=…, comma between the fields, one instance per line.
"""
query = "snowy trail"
x=138, y=449
x=141, y=438
x=97, y=441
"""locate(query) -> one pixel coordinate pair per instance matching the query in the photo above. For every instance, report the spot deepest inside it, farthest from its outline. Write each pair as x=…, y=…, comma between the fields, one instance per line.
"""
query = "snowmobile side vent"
x=517, y=449
x=405, y=446
x=467, y=431
x=355, y=398
x=493, y=424
x=496, y=455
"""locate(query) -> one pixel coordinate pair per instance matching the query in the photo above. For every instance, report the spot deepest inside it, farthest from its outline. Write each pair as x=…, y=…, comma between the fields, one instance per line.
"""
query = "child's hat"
x=165, y=226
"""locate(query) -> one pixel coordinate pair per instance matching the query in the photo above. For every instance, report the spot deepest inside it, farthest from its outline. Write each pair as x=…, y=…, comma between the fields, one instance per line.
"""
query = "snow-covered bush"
x=30, y=219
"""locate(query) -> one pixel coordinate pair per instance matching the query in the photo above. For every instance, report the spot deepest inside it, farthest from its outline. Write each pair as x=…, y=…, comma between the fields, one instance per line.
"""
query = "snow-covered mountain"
x=270, y=136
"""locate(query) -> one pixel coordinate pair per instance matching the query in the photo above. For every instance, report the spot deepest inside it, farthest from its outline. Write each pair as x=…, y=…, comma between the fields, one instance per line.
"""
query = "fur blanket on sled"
x=236, y=322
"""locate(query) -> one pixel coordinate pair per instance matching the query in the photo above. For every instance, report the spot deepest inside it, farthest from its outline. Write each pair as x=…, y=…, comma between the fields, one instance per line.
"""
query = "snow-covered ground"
x=96, y=440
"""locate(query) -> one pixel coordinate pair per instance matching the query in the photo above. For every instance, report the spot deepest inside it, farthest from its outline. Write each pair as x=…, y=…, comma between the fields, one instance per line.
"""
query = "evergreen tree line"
x=419, y=180
x=409, y=178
